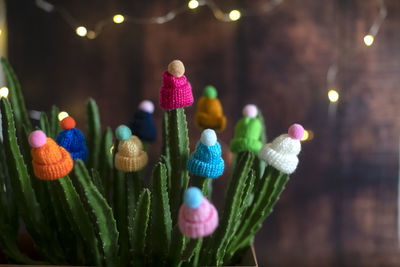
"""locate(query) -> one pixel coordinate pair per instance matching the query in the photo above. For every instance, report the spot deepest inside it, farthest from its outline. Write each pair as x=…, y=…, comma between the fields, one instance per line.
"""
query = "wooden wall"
x=340, y=207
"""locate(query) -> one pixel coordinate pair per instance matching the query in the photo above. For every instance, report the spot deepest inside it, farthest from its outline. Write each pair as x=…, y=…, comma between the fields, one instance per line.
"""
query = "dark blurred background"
x=340, y=208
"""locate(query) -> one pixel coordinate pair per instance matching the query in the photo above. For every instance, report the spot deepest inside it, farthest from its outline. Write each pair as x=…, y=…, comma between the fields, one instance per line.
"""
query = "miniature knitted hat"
x=247, y=131
x=206, y=161
x=50, y=161
x=209, y=111
x=176, y=91
x=72, y=139
x=143, y=123
x=197, y=216
x=130, y=156
x=282, y=152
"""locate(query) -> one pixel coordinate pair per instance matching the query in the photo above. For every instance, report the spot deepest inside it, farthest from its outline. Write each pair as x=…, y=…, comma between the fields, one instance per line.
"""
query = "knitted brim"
x=244, y=144
x=198, y=222
x=286, y=163
x=83, y=154
x=206, y=121
x=205, y=169
x=131, y=164
x=54, y=171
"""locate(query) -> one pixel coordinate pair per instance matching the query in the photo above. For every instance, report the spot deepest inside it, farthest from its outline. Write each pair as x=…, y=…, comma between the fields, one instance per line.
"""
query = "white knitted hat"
x=282, y=152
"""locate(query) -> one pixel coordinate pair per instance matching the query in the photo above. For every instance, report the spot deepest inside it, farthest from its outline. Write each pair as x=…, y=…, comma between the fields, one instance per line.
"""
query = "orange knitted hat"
x=130, y=156
x=209, y=111
x=50, y=161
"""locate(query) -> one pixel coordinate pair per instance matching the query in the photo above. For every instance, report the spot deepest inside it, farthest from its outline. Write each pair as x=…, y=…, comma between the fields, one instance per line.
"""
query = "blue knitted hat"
x=72, y=139
x=142, y=124
x=206, y=161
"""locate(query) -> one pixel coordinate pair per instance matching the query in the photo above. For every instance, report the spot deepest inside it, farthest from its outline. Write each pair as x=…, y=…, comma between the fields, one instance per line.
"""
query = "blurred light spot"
x=118, y=18
x=4, y=92
x=193, y=4
x=81, y=31
x=368, y=40
x=62, y=115
x=333, y=96
x=234, y=15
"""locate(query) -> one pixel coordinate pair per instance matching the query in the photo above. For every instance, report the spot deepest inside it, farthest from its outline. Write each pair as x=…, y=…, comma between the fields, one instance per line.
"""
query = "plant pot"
x=26, y=245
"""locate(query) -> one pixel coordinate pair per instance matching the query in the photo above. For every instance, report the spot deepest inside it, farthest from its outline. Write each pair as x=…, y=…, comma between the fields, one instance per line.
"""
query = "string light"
x=4, y=92
x=373, y=31
x=234, y=15
x=333, y=96
x=308, y=135
x=193, y=4
x=81, y=31
x=118, y=19
x=62, y=115
x=368, y=40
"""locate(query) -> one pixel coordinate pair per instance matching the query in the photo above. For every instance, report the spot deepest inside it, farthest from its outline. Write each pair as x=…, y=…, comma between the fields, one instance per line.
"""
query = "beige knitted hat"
x=130, y=156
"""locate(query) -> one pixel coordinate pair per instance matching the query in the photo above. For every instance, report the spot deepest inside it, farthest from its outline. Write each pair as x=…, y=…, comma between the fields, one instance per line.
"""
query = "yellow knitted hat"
x=130, y=156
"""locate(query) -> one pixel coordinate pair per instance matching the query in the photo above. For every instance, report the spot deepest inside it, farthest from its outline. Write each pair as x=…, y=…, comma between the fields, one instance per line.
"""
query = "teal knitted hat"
x=247, y=131
x=206, y=161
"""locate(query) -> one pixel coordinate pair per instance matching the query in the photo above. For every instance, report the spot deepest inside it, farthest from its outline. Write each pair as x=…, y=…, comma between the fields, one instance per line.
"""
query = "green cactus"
x=103, y=217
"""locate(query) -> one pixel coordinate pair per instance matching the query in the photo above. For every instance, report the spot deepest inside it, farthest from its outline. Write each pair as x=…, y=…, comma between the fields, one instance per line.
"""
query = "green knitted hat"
x=247, y=132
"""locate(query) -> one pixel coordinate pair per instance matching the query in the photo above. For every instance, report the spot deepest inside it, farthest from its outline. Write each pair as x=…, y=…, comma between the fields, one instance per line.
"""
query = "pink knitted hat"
x=197, y=216
x=176, y=91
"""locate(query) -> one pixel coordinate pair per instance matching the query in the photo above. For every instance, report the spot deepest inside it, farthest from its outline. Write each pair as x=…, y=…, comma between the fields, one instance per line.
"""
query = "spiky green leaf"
x=27, y=202
x=16, y=97
x=138, y=233
x=179, y=153
x=231, y=210
x=161, y=223
x=100, y=213
x=93, y=132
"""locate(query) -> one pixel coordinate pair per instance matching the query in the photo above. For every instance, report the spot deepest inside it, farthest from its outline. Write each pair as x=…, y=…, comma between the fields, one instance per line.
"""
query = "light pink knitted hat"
x=197, y=216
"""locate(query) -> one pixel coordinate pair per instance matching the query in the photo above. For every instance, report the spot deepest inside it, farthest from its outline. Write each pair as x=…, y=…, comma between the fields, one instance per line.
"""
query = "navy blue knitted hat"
x=142, y=124
x=72, y=139
x=206, y=161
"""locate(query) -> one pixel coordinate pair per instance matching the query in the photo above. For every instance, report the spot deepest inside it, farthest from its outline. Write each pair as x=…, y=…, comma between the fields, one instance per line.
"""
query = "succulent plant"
x=99, y=215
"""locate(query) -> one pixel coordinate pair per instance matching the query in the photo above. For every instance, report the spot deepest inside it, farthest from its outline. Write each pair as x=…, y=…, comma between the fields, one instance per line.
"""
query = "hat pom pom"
x=193, y=197
x=147, y=105
x=123, y=133
x=68, y=123
x=296, y=131
x=37, y=139
x=210, y=92
x=250, y=111
x=176, y=68
x=208, y=137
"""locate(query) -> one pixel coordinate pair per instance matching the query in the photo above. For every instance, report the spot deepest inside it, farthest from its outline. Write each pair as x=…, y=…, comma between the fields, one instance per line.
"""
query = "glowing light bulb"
x=62, y=115
x=4, y=92
x=193, y=4
x=234, y=15
x=118, y=18
x=81, y=31
x=91, y=35
x=333, y=96
x=305, y=136
x=368, y=40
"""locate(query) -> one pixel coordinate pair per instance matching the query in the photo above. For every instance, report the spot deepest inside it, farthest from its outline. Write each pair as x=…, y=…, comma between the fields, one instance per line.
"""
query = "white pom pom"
x=250, y=111
x=147, y=105
x=208, y=137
